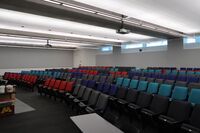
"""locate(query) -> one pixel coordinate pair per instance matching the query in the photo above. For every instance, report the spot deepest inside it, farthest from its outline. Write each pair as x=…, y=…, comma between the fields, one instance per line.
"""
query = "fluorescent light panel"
x=53, y=2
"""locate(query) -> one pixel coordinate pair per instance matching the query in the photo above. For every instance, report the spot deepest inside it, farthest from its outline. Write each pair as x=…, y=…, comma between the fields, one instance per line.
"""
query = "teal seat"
x=194, y=96
x=190, y=73
x=126, y=82
x=165, y=90
x=119, y=82
x=180, y=93
x=133, y=84
x=152, y=88
x=142, y=86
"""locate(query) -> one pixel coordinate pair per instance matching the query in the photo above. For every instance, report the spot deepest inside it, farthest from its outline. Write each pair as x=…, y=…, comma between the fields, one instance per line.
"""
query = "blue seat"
x=152, y=88
x=194, y=96
x=133, y=84
x=165, y=90
x=180, y=93
x=142, y=86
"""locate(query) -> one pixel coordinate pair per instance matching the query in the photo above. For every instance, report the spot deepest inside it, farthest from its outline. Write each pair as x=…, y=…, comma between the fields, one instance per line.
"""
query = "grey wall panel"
x=174, y=56
x=12, y=58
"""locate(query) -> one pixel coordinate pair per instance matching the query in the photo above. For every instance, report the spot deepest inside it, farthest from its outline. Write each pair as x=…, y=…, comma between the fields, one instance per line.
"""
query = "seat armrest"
x=122, y=102
x=111, y=98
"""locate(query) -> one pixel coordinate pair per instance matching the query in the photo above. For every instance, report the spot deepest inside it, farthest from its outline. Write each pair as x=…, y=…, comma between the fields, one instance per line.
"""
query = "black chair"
x=193, y=124
x=91, y=102
x=177, y=113
x=100, y=105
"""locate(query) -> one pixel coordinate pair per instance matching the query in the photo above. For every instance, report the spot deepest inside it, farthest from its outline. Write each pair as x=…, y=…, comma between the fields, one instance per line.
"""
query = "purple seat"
x=106, y=88
x=91, y=84
x=181, y=78
x=113, y=90
x=193, y=79
x=171, y=77
x=84, y=82
x=100, y=86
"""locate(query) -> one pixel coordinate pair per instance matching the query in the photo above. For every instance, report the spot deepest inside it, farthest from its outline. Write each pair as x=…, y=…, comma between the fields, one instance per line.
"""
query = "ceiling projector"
x=123, y=31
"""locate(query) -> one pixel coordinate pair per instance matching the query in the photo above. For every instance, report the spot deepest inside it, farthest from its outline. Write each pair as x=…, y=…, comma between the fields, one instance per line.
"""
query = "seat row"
x=170, y=113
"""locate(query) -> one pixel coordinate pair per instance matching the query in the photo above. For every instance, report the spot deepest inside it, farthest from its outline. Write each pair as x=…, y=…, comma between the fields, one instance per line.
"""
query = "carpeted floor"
x=48, y=117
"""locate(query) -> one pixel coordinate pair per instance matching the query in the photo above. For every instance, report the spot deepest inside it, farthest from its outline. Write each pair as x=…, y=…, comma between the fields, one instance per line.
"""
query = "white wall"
x=84, y=57
x=17, y=59
x=175, y=56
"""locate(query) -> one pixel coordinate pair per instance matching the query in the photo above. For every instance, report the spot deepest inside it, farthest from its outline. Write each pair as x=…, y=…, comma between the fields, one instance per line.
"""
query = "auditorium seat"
x=100, y=105
x=152, y=88
x=158, y=106
x=142, y=86
x=165, y=90
x=119, y=82
x=91, y=102
x=133, y=84
x=180, y=93
x=193, y=124
x=194, y=96
x=177, y=113
x=106, y=88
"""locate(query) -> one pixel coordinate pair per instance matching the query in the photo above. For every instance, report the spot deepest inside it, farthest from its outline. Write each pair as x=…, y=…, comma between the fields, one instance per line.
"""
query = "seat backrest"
x=136, y=77
x=113, y=90
x=132, y=95
x=119, y=81
x=180, y=93
x=142, y=85
x=87, y=94
x=126, y=82
x=46, y=83
x=96, y=78
x=193, y=79
x=51, y=84
x=102, y=102
x=152, y=88
x=194, y=96
x=62, y=85
x=90, y=77
x=70, y=86
x=179, y=110
x=106, y=88
x=84, y=77
x=165, y=90
x=133, y=84
x=121, y=92
x=91, y=84
x=159, y=104
x=182, y=78
x=84, y=82
x=110, y=79
x=57, y=84
x=81, y=91
x=144, y=99
x=102, y=79
x=194, y=118
x=77, y=88
x=100, y=86
x=93, y=98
